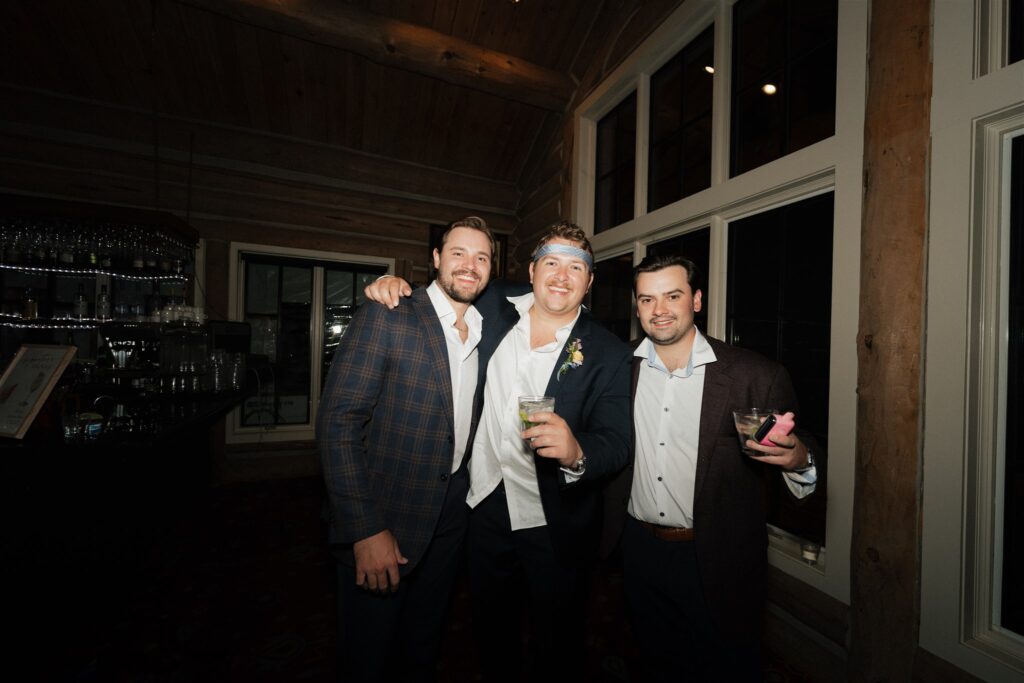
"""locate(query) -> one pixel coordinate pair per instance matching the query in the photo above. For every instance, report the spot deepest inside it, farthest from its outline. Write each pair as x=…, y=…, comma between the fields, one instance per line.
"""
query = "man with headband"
x=535, y=494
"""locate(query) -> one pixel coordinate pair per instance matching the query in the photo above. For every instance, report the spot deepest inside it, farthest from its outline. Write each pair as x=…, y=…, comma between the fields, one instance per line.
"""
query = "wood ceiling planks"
x=184, y=61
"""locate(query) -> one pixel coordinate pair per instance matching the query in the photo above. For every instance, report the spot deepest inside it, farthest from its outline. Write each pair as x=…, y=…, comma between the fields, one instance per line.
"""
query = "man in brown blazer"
x=695, y=541
x=393, y=430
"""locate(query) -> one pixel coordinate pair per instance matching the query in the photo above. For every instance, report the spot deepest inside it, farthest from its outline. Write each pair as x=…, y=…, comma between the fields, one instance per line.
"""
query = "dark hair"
x=473, y=223
x=657, y=262
x=566, y=231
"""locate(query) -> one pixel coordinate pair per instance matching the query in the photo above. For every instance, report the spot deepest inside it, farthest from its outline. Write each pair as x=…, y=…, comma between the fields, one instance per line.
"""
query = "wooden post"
x=885, y=553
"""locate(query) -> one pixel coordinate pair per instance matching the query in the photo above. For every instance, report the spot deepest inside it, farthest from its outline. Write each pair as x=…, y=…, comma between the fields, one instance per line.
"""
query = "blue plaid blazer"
x=385, y=428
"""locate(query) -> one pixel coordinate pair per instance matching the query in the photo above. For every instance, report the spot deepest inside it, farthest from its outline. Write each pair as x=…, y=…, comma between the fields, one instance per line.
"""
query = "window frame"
x=975, y=111
x=834, y=164
x=235, y=433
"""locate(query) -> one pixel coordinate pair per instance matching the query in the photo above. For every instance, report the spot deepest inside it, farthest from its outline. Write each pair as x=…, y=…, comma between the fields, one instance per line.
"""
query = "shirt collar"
x=523, y=304
x=446, y=314
x=701, y=354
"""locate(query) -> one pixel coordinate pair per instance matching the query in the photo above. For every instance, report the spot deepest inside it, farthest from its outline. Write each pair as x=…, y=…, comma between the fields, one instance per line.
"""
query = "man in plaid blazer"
x=393, y=426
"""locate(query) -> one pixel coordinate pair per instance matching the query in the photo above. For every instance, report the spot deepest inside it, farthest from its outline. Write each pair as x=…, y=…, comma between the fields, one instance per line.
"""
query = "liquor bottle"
x=29, y=305
x=103, y=304
x=81, y=307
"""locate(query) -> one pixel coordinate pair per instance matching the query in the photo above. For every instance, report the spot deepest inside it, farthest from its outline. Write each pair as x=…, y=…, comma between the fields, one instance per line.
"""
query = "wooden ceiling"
x=464, y=86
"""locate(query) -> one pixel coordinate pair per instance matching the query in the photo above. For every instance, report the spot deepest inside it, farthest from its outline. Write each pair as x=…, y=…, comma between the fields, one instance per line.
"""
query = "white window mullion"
x=643, y=134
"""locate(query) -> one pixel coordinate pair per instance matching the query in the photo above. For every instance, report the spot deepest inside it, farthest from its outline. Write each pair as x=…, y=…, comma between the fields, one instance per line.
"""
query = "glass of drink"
x=748, y=420
x=528, y=405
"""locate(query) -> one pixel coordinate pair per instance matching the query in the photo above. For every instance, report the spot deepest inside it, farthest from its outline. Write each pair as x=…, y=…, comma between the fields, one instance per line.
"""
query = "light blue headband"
x=565, y=250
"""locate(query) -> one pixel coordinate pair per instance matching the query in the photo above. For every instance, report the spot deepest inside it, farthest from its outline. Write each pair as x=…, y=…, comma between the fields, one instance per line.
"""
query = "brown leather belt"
x=668, y=533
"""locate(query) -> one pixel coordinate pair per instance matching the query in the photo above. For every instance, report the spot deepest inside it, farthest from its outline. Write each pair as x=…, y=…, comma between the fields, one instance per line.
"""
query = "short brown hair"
x=473, y=223
x=566, y=231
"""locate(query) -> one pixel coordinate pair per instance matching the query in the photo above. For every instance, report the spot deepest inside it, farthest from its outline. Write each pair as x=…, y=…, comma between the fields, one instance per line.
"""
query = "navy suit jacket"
x=592, y=398
x=385, y=428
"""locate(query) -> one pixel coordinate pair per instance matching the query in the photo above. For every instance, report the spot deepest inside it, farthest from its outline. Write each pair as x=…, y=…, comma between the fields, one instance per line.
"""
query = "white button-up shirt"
x=666, y=413
x=499, y=452
x=463, y=362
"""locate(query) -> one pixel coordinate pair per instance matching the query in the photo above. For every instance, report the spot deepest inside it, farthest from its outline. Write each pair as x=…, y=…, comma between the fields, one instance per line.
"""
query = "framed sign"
x=26, y=383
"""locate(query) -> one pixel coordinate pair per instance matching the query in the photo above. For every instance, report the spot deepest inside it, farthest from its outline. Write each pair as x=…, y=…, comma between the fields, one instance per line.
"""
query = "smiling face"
x=665, y=305
x=463, y=264
x=560, y=281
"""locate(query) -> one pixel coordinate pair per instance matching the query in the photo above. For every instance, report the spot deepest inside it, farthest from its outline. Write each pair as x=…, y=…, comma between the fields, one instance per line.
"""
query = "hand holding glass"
x=528, y=405
x=749, y=421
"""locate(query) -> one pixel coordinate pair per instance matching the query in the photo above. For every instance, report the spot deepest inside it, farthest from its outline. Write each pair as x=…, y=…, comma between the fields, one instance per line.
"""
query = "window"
x=612, y=295
x=680, y=138
x=783, y=78
x=814, y=198
x=298, y=305
x=616, y=165
x=779, y=304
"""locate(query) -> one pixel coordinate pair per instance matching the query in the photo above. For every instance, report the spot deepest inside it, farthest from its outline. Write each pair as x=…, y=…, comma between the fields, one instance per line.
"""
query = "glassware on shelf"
x=103, y=304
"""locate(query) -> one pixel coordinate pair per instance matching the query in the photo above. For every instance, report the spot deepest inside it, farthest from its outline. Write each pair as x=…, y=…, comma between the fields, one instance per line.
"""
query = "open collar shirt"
x=499, y=452
x=666, y=416
x=463, y=362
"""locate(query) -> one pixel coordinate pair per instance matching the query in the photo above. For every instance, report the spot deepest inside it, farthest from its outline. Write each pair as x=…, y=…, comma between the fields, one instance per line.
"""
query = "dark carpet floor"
x=241, y=589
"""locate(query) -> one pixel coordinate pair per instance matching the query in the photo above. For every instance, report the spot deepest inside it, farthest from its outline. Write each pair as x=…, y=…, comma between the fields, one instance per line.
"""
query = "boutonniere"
x=573, y=357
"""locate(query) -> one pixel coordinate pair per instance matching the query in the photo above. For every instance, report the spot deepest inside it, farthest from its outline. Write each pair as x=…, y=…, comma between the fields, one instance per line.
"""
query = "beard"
x=668, y=335
x=464, y=294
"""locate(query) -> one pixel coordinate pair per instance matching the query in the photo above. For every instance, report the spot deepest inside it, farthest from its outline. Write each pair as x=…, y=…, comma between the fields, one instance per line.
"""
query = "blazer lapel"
x=713, y=405
x=436, y=348
x=581, y=331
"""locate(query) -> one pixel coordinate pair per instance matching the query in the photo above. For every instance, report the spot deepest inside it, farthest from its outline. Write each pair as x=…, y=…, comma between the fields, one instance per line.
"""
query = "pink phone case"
x=783, y=425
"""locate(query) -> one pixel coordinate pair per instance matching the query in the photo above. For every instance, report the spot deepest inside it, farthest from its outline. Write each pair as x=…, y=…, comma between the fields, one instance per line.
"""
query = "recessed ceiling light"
x=769, y=89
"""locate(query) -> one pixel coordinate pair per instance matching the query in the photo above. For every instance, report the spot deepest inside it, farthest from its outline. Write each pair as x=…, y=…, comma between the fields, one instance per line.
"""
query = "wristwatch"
x=810, y=462
x=579, y=466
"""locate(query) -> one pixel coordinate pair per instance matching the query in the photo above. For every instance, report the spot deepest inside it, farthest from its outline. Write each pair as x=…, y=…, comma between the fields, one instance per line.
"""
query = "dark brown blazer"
x=729, y=507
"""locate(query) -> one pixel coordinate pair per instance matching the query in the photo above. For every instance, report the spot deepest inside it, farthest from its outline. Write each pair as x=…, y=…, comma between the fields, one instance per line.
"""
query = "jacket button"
x=451, y=439
x=444, y=477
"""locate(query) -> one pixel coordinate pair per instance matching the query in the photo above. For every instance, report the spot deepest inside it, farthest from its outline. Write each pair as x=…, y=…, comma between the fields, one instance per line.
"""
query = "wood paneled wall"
x=236, y=184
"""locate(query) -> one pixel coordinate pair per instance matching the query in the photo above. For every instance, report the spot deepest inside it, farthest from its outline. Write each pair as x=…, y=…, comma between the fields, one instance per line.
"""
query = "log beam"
x=404, y=46
x=885, y=548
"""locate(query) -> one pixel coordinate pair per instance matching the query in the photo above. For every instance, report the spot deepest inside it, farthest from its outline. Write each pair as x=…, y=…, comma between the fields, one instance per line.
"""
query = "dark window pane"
x=611, y=298
x=680, y=124
x=759, y=47
x=616, y=166
x=779, y=304
x=1013, y=510
x=278, y=307
x=790, y=45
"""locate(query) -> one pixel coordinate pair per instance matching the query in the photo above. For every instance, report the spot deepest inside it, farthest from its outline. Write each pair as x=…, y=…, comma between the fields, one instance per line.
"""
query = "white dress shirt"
x=499, y=452
x=463, y=362
x=666, y=413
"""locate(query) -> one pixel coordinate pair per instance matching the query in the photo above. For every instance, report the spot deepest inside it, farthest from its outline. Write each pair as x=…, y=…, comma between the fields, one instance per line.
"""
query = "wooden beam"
x=886, y=544
x=404, y=46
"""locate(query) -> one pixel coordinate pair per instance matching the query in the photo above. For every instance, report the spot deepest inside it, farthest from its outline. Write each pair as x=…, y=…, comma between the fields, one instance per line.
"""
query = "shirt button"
x=661, y=514
x=666, y=410
x=662, y=443
x=659, y=478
